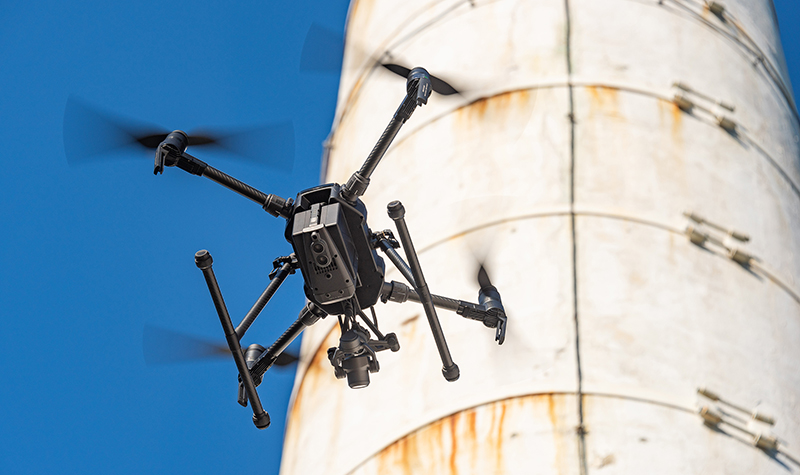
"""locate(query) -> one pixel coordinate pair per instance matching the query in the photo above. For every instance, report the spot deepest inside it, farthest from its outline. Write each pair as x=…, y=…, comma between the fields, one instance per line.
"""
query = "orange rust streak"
x=434, y=439
x=706, y=11
x=491, y=105
x=500, y=437
x=453, y=447
x=413, y=454
x=499, y=465
x=361, y=7
x=593, y=94
x=471, y=424
x=560, y=461
x=319, y=363
x=604, y=99
x=551, y=410
x=476, y=442
x=677, y=123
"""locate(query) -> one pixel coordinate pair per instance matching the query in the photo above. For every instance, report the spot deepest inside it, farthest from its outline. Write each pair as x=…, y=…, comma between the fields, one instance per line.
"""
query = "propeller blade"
x=199, y=139
x=91, y=134
x=437, y=84
x=483, y=277
x=162, y=346
x=442, y=87
x=151, y=141
x=323, y=51
x=270, y=145
x=401, y=71
x=285, y=359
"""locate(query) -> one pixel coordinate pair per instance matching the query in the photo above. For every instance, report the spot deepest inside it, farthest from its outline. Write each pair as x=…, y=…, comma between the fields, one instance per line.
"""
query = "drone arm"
x=493, y=317
x=399, y=292
x=169, y=156
x=308, y=316
x=272, y=204
x=415, y=96
x=284, y=266
x=386, y=242
x=490, y=311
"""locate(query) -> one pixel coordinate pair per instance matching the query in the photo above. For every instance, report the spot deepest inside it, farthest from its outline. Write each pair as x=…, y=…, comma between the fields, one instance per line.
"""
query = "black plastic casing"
x=329, y=259
x=321, y=216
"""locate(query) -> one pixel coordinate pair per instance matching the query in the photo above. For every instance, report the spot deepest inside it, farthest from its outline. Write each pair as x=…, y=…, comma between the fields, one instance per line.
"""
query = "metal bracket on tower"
x=754, y=414
x=749, y=422
x=716, y=8
x=698, y=234
x=715, y=102
x=688, y=99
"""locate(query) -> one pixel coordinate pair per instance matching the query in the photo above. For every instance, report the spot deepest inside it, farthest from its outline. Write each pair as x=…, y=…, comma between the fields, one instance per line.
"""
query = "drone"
x=338, y=256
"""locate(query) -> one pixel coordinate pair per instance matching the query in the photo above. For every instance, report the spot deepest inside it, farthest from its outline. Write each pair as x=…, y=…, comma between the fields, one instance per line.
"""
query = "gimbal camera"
x=336, y=253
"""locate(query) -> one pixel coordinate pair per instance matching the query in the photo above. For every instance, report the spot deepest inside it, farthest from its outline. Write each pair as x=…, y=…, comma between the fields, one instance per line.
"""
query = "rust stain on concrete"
x=494, y=107
x=476, y=440
x=677, y=122
x=499, y=437
x=604, y=100
x=671, y=119
x=558, y=441
x=453, y=448
x=309, y=385
x=607, y=460
x=361, y=9
x=471, y=432
x=551, y=410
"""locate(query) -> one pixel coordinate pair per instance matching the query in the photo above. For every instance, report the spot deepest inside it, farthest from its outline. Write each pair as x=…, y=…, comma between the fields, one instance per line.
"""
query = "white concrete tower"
x=608, y=157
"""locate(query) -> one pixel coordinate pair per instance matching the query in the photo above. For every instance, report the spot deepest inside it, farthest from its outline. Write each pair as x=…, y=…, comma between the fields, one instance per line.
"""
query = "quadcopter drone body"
x=337, y=254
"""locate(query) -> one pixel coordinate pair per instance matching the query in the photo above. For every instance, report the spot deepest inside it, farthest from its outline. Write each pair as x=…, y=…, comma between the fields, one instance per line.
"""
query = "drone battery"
x=325, y=250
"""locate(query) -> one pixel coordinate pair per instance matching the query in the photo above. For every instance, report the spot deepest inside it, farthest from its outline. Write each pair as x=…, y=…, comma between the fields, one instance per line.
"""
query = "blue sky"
x=92, y=253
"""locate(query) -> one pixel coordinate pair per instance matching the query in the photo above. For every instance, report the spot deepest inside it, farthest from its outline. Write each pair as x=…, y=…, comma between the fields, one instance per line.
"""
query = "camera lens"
x=317, y=247
x=323, y=260
x=357, y=369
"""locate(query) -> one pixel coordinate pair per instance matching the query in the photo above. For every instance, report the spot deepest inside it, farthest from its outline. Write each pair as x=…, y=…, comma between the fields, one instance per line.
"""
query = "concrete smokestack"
x=629, y=171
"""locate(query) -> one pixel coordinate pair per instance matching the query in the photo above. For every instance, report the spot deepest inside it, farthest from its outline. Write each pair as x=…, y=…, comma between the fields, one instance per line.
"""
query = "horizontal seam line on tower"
x=648, y=92
x=598, y=214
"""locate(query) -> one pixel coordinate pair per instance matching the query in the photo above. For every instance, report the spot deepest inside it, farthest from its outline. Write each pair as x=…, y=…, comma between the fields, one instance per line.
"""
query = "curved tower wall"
x=586, y=130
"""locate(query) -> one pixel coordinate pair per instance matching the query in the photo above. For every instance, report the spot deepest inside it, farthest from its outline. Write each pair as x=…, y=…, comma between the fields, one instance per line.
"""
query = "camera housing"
x=354, y=358
x=332, y=243
x=328, y=259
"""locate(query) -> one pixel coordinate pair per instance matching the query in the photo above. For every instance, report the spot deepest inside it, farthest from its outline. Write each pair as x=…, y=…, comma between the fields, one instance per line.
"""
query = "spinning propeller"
x=91, y=135
x=162, y=346
x=323, y=51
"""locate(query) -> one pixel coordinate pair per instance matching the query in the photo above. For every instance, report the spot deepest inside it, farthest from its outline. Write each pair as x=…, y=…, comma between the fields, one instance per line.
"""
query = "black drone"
x=337, y=254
